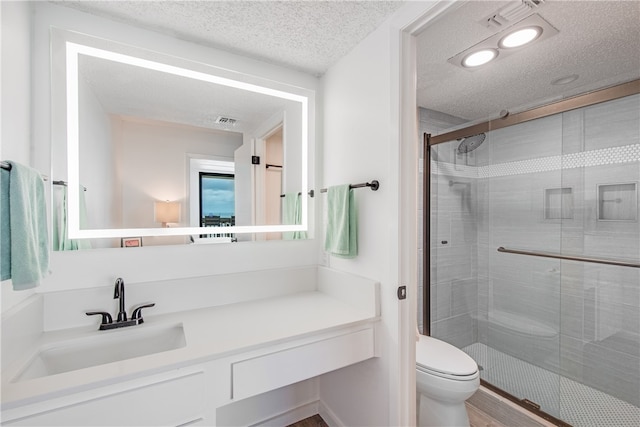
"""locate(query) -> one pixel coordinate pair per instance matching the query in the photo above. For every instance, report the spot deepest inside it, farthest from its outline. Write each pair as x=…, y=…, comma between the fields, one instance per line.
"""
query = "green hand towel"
x=29, y=239
x=299, y=235
x=60, y=233
x=288, y=213
x=5, y=227
x=342, y=222
x=292, y=214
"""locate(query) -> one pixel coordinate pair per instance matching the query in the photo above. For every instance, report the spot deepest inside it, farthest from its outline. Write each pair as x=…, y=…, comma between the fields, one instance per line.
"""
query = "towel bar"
x=375, y=184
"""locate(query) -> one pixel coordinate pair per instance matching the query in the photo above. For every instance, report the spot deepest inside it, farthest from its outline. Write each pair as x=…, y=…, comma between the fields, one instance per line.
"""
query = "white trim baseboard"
x=329, y=416
x=291, y=416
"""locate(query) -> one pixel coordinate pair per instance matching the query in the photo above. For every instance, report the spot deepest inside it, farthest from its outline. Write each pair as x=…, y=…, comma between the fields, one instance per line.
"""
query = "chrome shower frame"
x=579, y=101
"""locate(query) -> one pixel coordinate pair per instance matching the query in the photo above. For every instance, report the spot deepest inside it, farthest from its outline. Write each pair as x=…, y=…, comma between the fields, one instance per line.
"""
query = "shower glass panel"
x=563, y=334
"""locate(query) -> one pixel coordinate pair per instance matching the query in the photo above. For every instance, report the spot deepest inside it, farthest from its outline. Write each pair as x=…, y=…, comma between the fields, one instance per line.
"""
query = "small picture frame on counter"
x=131, y=242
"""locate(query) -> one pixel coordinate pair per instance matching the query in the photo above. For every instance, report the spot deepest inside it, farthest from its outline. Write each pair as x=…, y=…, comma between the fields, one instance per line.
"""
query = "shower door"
x=534, y=244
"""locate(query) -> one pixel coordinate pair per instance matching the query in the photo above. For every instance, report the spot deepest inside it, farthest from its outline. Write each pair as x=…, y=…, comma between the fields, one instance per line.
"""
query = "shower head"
x=470, y=143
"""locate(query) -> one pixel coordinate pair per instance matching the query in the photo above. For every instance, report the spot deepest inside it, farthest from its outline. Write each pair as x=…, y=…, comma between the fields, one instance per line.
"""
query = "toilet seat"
x=441, y=359
x=428, y=371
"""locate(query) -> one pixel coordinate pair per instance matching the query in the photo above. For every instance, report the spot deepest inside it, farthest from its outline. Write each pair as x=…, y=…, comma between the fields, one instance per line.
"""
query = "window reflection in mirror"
x=142, y=130
x=217, y=207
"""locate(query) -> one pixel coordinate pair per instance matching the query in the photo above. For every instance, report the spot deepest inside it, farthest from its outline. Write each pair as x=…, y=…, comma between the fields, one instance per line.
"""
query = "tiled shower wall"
x=535, y=186
x=453, y=239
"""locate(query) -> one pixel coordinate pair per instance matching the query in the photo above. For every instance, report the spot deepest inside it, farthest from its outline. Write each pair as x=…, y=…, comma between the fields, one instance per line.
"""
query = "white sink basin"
x=101, y=348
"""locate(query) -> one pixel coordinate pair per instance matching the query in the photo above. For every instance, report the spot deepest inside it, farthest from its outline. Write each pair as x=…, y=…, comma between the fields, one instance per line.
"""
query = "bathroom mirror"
x=163, y=146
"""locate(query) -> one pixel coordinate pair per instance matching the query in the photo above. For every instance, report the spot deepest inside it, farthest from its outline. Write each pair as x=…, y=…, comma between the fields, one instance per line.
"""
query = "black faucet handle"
x=137, y=312
x=106, y=317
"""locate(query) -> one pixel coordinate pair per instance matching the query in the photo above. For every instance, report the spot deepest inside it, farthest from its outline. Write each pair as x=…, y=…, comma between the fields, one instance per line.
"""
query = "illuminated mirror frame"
x=73, y=50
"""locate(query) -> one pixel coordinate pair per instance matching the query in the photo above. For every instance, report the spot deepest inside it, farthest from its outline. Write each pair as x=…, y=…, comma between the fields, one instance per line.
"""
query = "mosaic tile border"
x=605, y=156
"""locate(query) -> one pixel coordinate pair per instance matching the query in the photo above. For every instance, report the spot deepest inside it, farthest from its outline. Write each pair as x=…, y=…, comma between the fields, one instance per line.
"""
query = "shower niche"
x=618, y=202
x=558, y=203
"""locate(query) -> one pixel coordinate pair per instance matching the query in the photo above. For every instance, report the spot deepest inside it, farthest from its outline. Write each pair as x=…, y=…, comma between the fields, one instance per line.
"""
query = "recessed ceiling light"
x=520, y=37
x=479, y=57
x=565, y=80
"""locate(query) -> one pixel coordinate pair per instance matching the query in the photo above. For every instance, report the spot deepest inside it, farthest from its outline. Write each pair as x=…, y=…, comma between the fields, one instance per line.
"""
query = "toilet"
x=445, y=377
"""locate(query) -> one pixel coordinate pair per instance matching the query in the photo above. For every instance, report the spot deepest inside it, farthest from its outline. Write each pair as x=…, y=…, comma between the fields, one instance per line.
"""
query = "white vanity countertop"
x=210, y=333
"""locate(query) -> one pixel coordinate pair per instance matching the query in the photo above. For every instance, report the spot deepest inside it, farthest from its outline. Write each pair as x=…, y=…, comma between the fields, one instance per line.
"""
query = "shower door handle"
x=571, y=257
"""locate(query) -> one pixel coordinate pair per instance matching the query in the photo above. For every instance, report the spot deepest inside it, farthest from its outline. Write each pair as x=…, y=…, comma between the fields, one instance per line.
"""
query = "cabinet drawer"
x=275, y=370
x=174, y=401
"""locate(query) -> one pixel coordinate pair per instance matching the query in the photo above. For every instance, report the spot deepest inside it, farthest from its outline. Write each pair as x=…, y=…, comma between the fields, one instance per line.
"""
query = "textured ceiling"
x=309, y=36
x=598, y=40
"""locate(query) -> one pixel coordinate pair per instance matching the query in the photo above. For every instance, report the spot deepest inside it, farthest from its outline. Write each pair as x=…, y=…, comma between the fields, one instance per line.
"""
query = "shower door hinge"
x=402, y=292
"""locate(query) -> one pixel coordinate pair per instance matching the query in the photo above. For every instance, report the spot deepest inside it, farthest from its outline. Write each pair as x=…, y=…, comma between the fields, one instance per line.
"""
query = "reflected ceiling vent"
x=512, y=12
x=225, y=121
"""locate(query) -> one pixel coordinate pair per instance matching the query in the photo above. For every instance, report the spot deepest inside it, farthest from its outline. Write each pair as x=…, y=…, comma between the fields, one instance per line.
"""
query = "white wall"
x=15, y=142
x=280, y=407
x=357, y=149
x=361, y=142
x=16, y=85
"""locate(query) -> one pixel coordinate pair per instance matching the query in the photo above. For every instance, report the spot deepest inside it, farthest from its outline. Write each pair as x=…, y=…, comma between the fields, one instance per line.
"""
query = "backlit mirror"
x=158, y=146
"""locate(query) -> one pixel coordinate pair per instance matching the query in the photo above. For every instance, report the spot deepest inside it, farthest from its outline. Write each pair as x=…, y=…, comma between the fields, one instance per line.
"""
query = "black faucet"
x=118, y=292
x=121, y=320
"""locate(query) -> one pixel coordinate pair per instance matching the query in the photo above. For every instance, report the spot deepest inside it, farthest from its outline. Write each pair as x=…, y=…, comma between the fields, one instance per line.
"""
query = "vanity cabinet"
x=176, y=398
x=273, y=370
x=227, y=367
x=190, y=395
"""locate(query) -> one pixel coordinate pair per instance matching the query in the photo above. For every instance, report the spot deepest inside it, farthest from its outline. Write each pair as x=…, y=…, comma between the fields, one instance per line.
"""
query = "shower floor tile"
x=568, y=400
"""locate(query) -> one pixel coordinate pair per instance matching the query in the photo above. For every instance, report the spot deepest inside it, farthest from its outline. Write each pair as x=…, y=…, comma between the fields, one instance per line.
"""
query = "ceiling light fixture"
x=504, y=43
x=479, y=57
x=520, y=37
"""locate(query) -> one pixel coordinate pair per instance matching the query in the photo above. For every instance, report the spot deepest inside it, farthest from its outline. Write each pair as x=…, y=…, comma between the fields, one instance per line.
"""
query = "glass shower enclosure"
x=533, y=259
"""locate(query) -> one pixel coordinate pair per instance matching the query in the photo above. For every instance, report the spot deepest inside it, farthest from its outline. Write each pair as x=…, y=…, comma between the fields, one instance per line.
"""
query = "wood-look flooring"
x=315, y=421
x=477, y=418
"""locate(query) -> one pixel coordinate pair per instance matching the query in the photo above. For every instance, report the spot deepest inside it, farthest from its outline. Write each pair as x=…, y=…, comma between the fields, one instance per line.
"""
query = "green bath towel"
x=25, y=247
x=341, y=239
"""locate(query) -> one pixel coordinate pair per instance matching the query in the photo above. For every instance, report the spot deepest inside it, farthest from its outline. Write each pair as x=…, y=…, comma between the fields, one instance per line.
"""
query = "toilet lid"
x=439, y=356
